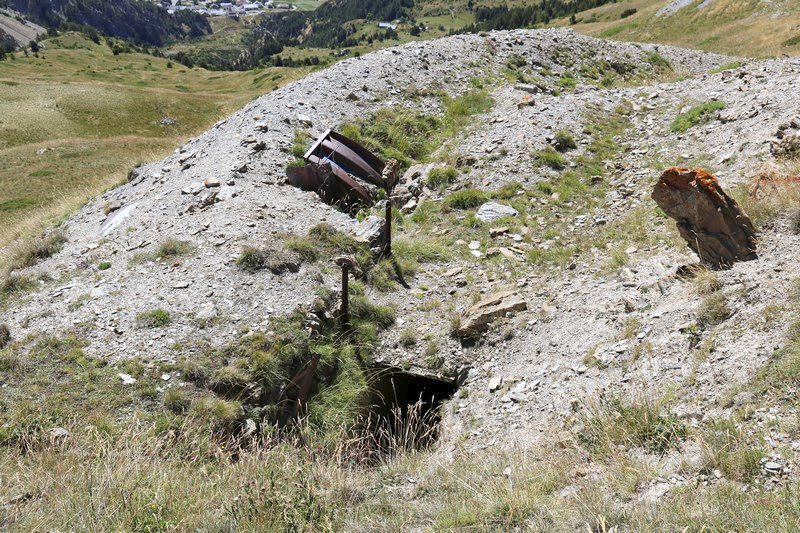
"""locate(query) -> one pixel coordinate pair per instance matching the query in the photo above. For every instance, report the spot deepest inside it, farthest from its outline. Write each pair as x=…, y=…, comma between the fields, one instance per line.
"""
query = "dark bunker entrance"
x=405, y=407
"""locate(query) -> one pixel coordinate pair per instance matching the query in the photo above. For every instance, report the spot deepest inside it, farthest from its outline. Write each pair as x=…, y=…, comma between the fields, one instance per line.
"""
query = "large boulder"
x=477, y=318
x=713, y=224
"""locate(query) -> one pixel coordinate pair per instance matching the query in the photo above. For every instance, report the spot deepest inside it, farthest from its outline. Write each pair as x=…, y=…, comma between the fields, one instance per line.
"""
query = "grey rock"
x=207, y=311
x=127, y=379
x=477, y=318
x=58, y=433
x=493, y=210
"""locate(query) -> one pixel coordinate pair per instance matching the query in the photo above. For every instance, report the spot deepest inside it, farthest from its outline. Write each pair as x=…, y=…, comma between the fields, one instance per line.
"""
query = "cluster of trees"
x=140, y=21
x=330, y=25
x=509, y=18
x=7, y=44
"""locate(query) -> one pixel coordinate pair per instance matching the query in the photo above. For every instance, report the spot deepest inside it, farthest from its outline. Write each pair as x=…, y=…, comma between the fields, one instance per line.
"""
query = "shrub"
x=465, y=199
x=564, y=141
x=5, y=335
x=441, y=176
x=550, y=158
x=105, y=265
x=172, y=248
x=627, y=13
x=155, y=318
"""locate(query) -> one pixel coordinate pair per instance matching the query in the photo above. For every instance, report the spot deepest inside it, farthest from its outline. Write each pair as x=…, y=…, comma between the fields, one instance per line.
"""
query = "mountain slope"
x=631, y=393
x=753, y=29
x=143, y=22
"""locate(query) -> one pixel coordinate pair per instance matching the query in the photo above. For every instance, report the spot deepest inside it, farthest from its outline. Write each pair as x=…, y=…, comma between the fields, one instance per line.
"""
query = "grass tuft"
x=564, y=141
x=465, y=199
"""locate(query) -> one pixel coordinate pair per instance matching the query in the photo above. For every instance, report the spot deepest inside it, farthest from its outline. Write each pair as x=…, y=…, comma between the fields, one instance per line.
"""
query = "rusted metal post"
x=348, y=265
x=387, y=238
x=344, y=312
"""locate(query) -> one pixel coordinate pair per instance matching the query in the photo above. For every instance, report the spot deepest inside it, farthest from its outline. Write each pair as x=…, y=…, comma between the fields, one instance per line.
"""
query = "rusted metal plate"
x=295, y=393
x=340, y=170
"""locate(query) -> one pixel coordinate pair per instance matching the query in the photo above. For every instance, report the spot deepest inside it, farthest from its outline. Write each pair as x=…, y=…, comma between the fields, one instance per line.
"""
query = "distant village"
x=225, y=9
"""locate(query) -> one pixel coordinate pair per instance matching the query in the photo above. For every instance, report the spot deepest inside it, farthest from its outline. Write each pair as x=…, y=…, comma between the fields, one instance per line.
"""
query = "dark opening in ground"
x=405, y=406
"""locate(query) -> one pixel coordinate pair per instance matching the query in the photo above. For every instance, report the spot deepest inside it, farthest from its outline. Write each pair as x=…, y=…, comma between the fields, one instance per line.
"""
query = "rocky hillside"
x=542, y=201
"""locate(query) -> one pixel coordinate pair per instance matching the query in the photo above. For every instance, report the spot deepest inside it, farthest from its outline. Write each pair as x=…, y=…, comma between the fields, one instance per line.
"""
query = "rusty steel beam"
x=335, y=146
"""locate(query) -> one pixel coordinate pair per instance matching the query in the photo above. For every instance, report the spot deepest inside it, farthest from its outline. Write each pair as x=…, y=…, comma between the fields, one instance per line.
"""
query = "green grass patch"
x=564, y=141
x=699, y=114
x=18, y=204
x=728, y=66
x=466, y=199
x=615, y=423
x=713, y=309
x=300, y=143
x=66, y=383
x=155, y=318
x=441, y=177
x=408, y=136
x=171, y=248
x=792, y=41
x=566, y=81
x=658, y=61
x=275, y=260
x=549, y=157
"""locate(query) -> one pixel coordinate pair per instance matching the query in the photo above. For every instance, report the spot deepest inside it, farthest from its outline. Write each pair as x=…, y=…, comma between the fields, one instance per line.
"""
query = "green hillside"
x=76, y=118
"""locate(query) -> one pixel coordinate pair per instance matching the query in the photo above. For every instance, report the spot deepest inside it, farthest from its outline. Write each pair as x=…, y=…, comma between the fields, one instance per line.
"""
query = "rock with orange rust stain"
x=713, y=224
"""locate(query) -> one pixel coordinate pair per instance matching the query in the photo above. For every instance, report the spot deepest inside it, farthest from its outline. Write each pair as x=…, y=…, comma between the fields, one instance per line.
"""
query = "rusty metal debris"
x=295, y=393
x=342, y=171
